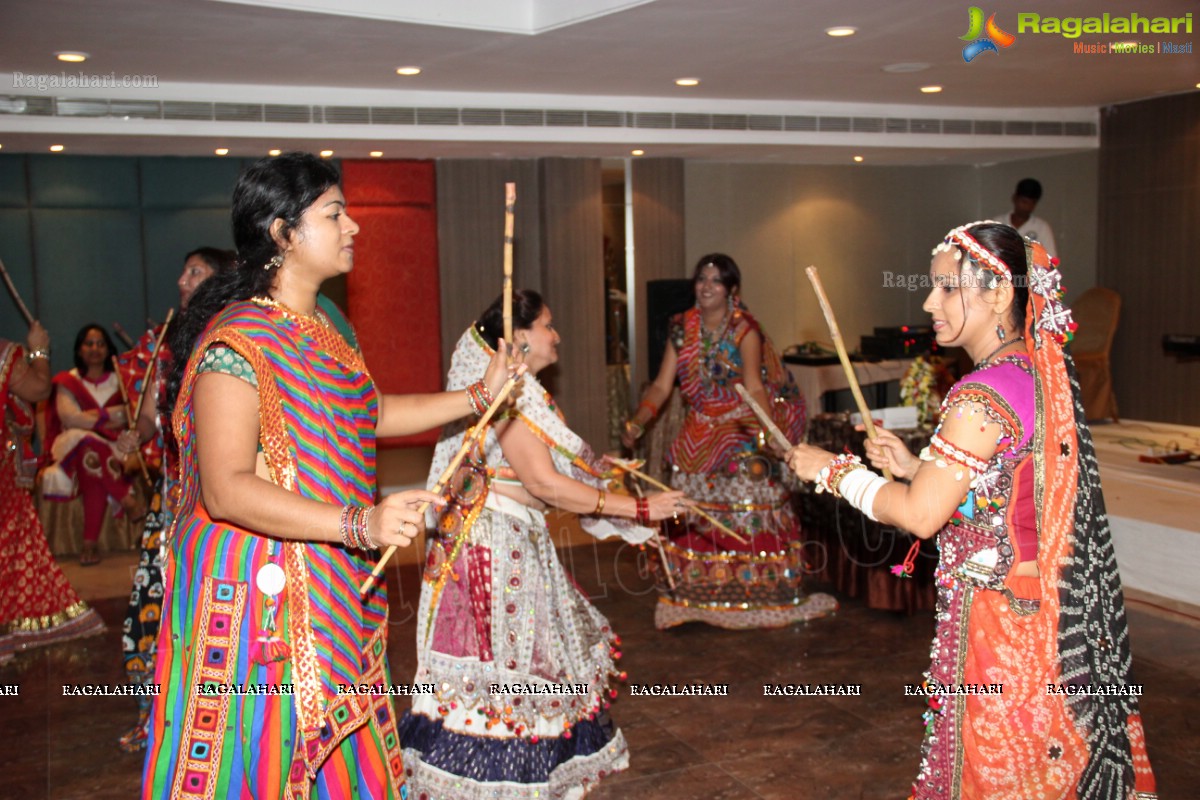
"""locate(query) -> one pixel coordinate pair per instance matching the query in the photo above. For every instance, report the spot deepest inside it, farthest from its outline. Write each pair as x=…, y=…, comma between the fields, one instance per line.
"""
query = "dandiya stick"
x=146, y=382
x=662, y=553
x=716, y=523
x=130, y=420
x=16, y=296
x=474, y=435
x=510, y=201
x=835, y=332
x=777, y=437
x=122, y=335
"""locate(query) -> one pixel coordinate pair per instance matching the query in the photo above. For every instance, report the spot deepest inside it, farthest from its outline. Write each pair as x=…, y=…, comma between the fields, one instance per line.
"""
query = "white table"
x=816, y=381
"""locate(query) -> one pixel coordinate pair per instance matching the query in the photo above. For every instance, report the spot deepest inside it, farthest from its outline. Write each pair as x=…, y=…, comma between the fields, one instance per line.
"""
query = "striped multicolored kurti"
x=254, y=709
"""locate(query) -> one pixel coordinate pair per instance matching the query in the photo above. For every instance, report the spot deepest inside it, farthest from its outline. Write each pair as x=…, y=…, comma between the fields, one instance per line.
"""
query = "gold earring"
x=275, y=262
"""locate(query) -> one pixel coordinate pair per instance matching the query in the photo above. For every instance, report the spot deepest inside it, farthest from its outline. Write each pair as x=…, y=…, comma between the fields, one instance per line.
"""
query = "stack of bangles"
x=480, y=397
x=35, y=354
x=354, y=528
x=636, y=428
x=643, y=511
x=847, y=477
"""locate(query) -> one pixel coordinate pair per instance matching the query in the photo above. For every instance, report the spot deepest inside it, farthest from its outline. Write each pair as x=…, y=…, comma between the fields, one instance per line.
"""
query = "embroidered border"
x=222, y=605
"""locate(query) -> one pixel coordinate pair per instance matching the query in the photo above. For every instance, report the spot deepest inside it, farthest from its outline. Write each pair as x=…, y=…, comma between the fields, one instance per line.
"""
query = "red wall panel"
x=392, y=294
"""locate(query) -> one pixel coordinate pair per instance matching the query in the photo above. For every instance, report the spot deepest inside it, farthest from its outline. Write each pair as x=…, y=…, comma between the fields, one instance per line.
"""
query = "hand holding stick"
x=473, y=435
x=835, y=332
x=16, y=296
x=725, y=529
x=130, y=420
x=777, y=438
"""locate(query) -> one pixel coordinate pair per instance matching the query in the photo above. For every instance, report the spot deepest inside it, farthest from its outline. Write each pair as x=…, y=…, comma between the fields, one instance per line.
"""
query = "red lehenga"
x=37, y=604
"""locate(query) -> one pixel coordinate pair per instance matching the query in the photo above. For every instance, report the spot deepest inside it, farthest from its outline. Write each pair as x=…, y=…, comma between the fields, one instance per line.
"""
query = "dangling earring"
x=1000, y=332
x=275, y=262
x=525, y=348
x=729, y=303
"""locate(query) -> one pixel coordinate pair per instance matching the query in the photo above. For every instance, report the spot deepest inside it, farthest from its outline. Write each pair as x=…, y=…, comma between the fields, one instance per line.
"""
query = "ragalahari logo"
x=979, y=43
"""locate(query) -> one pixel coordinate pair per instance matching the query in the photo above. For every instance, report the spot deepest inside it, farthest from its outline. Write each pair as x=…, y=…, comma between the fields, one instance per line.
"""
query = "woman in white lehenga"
x=519, y=660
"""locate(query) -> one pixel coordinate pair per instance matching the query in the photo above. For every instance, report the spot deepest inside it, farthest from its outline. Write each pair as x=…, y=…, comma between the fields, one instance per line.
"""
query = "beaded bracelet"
x=603, y=496
x=642, y=516
x=831, y=475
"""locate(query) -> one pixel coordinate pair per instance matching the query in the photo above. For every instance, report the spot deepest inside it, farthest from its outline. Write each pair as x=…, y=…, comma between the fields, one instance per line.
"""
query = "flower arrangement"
x=918, y=388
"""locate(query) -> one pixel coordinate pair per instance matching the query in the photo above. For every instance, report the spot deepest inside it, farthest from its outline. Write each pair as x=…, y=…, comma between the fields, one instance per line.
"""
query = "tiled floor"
x=741, y=746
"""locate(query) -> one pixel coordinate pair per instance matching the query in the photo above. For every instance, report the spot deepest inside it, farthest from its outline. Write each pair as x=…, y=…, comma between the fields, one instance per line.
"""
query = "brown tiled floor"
x=741, y=746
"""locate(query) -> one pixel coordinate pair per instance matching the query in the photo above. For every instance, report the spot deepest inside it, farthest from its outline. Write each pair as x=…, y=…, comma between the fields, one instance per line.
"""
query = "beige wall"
x=856, y=223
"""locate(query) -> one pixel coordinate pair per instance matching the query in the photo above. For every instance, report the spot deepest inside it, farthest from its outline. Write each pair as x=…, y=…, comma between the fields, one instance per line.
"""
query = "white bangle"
x=859, y=487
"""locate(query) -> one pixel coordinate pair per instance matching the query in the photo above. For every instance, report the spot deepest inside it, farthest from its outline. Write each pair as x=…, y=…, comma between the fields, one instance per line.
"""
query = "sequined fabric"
x=37, y=604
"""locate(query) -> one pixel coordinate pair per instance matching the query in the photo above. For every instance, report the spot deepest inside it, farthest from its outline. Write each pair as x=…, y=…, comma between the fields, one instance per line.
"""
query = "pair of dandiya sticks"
x=777, y=436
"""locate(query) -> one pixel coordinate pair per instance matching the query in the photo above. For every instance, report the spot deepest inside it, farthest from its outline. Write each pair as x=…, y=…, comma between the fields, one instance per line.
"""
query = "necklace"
x=986, y=360
x=288, y=312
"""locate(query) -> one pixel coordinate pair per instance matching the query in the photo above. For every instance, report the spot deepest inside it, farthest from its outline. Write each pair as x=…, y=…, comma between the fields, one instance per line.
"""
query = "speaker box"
x=664, y=299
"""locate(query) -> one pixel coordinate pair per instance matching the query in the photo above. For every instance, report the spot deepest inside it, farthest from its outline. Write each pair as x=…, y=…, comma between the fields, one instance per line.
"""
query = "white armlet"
x=859, y=487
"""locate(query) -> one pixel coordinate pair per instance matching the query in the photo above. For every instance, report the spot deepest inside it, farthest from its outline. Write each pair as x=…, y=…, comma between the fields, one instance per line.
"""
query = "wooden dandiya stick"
x=662, y=553
x=130, y=420
x=510, y=201
x=16, y=296
x=122, y=335
x=844, y=357
x=764, y=419
x=716, y=523
x=146, y=382
x=473, y=435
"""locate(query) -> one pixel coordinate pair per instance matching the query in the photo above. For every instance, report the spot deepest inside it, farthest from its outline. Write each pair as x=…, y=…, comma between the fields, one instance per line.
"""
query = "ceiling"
x=766, y=61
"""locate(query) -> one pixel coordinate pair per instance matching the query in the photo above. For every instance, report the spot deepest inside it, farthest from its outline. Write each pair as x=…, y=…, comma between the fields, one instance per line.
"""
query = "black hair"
x=79, y=337
x=217, y=260
x=527, y=306
x=283, y=188
x=1006, y=244
x=1029, y=187
x=727, y=269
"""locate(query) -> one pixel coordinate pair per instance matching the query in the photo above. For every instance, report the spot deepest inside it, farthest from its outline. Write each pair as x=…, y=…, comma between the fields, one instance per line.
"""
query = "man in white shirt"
x=1024, y=201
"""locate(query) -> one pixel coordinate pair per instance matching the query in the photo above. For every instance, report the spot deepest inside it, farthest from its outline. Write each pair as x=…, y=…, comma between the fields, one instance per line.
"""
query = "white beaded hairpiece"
x=959, y=238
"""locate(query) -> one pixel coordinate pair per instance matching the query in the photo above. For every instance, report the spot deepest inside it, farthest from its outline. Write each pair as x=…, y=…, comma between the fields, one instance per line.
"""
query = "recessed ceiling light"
x=222, y=151
x=1, y=147
x=907, y=66
x=858, y=159
x=841, y=30
x=56, y=148
x=326, y=153
x=931, y=89
x=637, y=152
x=687, y=81
x=408, y=71
x=73, y=56
x=274, y=152
x=376, y=154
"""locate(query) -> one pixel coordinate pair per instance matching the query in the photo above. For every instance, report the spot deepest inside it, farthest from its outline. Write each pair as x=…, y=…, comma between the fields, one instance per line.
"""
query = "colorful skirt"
x=37, y=604
x=708, y=576
x=511, y=693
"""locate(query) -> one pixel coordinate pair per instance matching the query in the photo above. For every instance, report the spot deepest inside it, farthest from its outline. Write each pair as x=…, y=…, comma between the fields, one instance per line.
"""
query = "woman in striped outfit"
x=276, y=420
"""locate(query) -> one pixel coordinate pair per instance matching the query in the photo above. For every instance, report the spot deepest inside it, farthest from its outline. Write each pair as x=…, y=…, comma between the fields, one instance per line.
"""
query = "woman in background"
x=87, y=415
x=1028, y=595
x=498, y=609
x=37, y=604
x=154, y=425
x=719, y=459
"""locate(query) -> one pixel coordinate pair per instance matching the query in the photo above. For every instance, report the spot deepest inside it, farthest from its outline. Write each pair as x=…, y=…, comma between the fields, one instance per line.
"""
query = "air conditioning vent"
x=278, y=113
x=182, y=109
x=237, y=112
x=393, y=115
x=524, y=116
x=437, y=116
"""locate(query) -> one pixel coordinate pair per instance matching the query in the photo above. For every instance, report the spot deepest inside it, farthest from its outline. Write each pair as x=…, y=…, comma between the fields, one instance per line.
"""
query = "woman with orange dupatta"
x=1029, y=689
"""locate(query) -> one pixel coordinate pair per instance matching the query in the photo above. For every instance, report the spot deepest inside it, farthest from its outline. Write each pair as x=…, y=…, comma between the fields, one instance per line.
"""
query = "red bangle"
x=642, y=516
x=646, y=404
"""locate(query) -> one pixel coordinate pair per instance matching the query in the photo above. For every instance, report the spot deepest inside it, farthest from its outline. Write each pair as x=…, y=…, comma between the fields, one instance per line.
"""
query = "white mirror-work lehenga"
x=520, y=662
